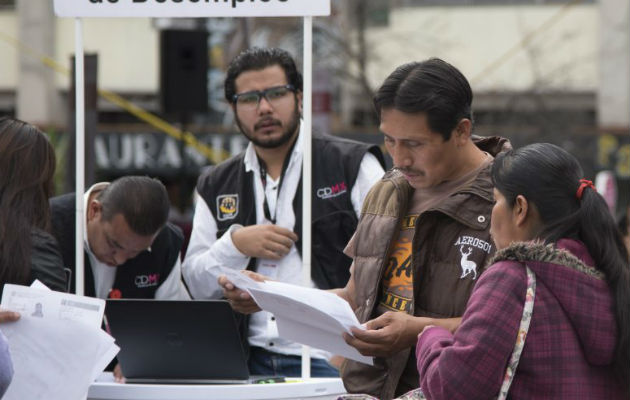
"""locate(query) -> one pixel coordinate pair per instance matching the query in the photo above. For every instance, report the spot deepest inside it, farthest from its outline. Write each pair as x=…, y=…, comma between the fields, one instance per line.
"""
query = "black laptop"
x=177, y=341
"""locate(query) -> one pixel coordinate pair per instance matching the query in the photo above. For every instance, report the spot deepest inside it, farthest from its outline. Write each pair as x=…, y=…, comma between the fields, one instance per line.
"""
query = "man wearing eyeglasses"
x=248, y=214
x=131, y=251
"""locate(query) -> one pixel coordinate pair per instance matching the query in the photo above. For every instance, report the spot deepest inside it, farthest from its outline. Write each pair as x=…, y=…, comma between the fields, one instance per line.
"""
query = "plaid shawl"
x=571, y=341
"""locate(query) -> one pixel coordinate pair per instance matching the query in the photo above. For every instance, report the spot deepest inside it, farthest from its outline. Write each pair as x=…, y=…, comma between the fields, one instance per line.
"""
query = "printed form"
x=309, y=316
x=57, y=346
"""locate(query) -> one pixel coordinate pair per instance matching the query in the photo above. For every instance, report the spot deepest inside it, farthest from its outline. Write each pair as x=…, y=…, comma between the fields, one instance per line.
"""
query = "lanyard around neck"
x=263, y=179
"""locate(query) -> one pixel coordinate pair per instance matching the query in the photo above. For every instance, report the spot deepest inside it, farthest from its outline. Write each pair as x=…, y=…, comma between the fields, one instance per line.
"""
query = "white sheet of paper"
x=305, y=315
x=319, y=338
x=310, y=316
x=239, y=279
x=55, y=360
x=37, y=284
x=333, y=305
x=48, y=304
x=106, y=352
x=57, y=346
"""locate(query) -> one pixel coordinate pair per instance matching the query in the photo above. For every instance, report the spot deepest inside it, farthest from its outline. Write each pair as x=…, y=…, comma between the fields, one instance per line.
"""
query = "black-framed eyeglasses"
x=252, y=98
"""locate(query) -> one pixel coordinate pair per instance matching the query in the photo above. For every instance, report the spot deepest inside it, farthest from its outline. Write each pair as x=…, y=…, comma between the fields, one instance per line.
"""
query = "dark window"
x=7, y=5
x=377, y=13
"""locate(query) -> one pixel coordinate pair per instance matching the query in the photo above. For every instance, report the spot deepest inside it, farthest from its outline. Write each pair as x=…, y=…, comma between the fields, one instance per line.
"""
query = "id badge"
x=268, y=268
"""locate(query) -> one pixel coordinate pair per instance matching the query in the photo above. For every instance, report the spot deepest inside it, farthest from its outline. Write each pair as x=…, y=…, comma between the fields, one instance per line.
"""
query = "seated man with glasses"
x=248, y=214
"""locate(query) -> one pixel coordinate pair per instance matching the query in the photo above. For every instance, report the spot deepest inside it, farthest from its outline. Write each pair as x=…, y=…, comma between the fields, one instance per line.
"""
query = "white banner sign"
x=191, y=8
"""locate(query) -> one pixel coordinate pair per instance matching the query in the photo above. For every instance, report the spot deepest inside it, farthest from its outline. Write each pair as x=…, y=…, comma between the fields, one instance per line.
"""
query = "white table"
x=314, y=388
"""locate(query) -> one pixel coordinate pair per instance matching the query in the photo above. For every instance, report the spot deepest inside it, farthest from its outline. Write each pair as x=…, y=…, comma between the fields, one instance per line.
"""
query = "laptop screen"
x=177, y=341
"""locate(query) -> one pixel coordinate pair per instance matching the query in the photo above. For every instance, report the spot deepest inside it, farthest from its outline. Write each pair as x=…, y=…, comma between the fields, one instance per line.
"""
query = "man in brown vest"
x=423, y=238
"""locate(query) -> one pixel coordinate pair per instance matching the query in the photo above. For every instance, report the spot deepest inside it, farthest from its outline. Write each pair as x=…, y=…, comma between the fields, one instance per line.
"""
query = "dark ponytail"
x=601, y=236
x=549, y=177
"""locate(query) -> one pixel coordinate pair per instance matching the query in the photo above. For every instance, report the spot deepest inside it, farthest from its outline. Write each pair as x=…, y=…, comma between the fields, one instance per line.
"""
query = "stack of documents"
x=309, y=316
x=57, y=346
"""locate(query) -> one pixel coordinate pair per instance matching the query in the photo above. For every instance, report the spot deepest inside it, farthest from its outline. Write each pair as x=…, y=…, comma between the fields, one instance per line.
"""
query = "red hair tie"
x=584, y=183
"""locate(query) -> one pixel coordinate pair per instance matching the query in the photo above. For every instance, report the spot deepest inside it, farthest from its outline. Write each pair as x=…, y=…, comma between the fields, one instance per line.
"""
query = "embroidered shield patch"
x=227, y=206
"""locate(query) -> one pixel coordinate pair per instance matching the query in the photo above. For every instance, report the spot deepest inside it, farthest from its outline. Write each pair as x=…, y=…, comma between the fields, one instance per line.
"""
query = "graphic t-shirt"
x=397, y=284
x=397, y=288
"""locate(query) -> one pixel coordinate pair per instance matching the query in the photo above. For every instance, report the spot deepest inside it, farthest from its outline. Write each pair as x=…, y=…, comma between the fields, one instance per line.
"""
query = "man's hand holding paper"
x=236, y=286
x=310, y=316
x=392, y=332
x=385, y=335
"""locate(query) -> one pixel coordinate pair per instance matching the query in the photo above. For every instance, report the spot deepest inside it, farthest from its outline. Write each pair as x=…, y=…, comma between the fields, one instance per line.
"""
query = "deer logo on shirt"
x=467, y=265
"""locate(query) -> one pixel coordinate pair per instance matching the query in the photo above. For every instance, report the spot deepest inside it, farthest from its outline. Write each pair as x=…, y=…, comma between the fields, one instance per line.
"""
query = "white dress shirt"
x=104, y=275
x=205, y=253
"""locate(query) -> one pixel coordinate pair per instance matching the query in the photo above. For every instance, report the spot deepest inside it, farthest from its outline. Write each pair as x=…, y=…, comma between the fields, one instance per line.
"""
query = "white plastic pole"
x=79, y=152
x=307, y=172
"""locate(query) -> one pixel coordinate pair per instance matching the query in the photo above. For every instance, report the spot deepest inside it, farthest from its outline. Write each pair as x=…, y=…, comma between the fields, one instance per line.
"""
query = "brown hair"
x=27, y=166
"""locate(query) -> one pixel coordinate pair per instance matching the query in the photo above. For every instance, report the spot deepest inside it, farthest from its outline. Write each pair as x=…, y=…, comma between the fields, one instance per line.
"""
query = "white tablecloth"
x=315, y=389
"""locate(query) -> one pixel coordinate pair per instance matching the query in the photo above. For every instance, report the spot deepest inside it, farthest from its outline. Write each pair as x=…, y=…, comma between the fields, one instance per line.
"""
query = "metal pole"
x=307, y=172
x=79, y=153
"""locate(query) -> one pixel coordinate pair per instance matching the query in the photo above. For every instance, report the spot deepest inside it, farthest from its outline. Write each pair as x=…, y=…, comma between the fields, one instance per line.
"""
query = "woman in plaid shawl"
x=549, y=219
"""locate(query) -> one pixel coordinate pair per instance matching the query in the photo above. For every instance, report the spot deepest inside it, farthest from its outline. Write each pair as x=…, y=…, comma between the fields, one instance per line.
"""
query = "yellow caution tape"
x=212, y=154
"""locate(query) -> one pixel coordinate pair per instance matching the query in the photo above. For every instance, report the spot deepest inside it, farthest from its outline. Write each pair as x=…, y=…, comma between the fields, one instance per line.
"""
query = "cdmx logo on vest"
x=227, y=206
x=332, y=191
x=143, y=281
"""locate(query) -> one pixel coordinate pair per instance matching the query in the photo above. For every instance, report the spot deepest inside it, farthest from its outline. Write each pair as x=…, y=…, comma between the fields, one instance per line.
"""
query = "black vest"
x=228, y=190
x=138, y=277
